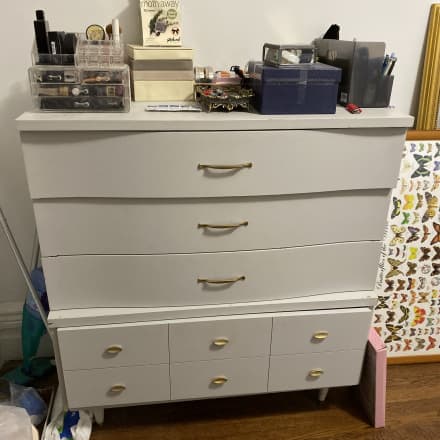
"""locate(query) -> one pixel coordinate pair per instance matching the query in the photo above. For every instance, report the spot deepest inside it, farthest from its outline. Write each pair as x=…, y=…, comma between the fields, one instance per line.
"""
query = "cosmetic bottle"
x=41, y=28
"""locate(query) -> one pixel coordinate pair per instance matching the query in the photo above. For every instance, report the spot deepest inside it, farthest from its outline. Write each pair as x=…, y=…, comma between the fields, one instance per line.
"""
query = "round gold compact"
x=95, y=32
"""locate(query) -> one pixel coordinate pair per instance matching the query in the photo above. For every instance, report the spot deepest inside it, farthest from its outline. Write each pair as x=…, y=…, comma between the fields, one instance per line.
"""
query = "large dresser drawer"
x=315, y=370
x=211, y=278
x=170, y=164
x=104, y=346
x=116, y=226
x=323, y=330
x=117, y=386
x=220, y=338
x=227, y=377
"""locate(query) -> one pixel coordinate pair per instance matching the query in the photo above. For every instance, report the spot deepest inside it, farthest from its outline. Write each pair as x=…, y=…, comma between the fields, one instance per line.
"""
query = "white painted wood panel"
x=148, y=226
x=321, y=330
x=103, y=315
x=292, y=372
x=173, y=280
x=89, y=388
x=113, y=345
x=220, y=338
x=166, y=164
x=192, y=380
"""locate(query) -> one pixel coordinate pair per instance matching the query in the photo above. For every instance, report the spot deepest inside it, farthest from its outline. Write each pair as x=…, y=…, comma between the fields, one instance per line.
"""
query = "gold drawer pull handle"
x=239, y=166
x=118, y=388
x=221, y=342
x=232, y=226
x=321, y=335
x=317, y=372
x=219, y=380
x=227, y=281
x=114, y=349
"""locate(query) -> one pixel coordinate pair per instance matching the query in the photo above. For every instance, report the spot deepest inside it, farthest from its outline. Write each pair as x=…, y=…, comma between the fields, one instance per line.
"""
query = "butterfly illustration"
x=432, y=342
x=411, y=283
x=406, y=216
x=395, y=296
x=422, y=282
x=435, y=281
x=397, y=204
x=412, y=253
x=382, y=302
x=407, y=344
x=421, y=147
x=422, y=161
x=405, y=314
x=436, y=238
x=433, y=311
x=401, y=285
x=419, y=316
x=390, y=252
x=411, y=268
x=425, y=233
x=429, y=150
x=437, y=154
x=413, y=296
x=437, y=253
x=419, y=185
x=414, y=234
x=436, y=269
x=425, y=253
x=391, y=316
x=409, y=202
x=413, y=148
x=432, y=209
x=394, y=330
x=413, y=331
x=436, y=165
x=426, y=184
x=390, y=285
x=416, y=218
x=394, y=268
x=429, y=322
x=436, y=184
x=419, y=200
x=403, y=185
x=398, y=346
x=377, y=318
x=420, y=344
x=426, y=268
x=404, y=297
x=423, y=297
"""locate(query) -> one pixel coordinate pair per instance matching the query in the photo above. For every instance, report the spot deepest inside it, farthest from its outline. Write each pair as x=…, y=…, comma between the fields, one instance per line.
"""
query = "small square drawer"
x=315, y=370
x=219, y=338
x=318, y=331
x=227, y=377
x=117, y=386
x=105, y=346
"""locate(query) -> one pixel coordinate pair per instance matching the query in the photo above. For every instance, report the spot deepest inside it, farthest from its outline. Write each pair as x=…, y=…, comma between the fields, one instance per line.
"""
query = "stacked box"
x=161, y=73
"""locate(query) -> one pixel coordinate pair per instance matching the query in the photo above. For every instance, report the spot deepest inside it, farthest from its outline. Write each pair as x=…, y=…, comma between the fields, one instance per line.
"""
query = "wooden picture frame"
x=428, y=112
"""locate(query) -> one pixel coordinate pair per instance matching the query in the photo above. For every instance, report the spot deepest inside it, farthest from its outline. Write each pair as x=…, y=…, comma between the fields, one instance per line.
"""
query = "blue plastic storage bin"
x=297, y=89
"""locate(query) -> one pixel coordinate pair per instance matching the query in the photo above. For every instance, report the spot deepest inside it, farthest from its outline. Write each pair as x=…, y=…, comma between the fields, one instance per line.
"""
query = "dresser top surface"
x=140, y=120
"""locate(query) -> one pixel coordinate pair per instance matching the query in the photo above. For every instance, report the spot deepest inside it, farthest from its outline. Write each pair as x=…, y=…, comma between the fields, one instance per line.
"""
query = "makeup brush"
x=114, y=30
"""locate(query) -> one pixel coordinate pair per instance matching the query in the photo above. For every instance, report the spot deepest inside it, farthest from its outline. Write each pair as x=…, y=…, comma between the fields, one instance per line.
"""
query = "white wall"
x=223, y=33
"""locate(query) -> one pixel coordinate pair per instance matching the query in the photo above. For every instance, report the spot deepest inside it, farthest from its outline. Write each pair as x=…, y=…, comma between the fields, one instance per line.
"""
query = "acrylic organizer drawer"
x=209, y=164
x=78, y=89
x=220, y=338
x=209, y=278
x=323, y=330
x=115, y=226
x=117, y=386
x=227, y=377
x=315, y=370
x=104, y=346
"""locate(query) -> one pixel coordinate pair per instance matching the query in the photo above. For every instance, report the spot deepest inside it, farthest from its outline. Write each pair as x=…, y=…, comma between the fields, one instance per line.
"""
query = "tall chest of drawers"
x=207, y=255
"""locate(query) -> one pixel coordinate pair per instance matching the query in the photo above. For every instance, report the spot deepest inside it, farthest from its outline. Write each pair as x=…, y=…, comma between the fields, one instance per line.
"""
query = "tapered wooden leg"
x=98, y=413
x=322, y=394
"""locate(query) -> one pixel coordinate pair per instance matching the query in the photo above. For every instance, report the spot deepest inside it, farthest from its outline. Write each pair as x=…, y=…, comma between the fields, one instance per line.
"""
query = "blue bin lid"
x=298, y=72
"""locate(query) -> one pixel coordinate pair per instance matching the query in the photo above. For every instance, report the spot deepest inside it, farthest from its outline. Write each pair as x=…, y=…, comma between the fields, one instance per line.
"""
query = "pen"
x=392, y=64
x=385, y=63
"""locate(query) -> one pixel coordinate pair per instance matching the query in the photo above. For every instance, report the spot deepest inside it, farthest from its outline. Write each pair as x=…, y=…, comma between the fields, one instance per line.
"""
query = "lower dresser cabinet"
x=123, y=364
x=193, y=256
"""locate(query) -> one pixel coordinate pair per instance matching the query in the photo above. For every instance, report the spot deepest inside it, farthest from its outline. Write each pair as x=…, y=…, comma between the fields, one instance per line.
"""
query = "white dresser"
x=193, y=256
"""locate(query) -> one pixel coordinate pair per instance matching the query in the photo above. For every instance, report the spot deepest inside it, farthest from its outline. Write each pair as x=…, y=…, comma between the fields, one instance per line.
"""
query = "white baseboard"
x=10, y=333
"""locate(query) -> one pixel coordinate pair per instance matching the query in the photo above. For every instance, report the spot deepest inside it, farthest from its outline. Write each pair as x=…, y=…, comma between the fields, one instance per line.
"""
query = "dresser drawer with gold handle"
x=322, y=330
x=176, y=279
x=117, y=226
x=225, y=377
x=315, y=370
x=210, y=164
x=104, y=346
x=117, y=386
x=220, y=338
